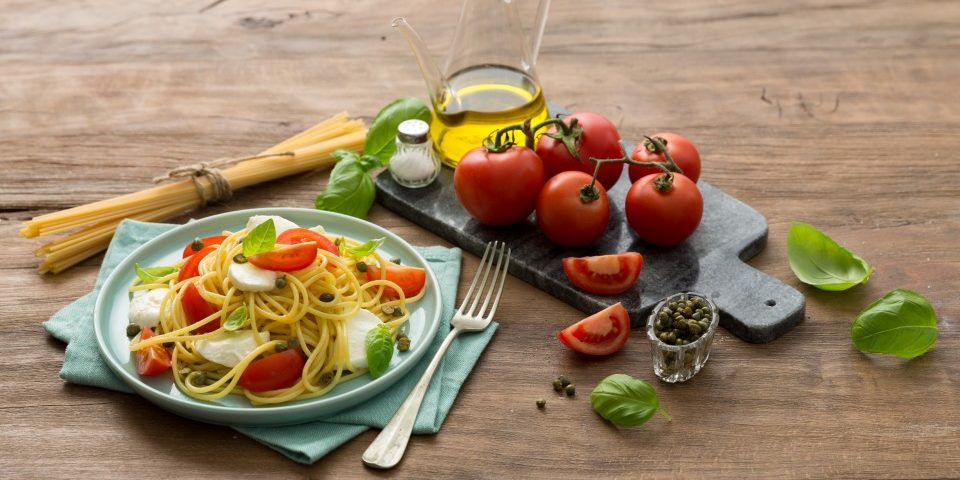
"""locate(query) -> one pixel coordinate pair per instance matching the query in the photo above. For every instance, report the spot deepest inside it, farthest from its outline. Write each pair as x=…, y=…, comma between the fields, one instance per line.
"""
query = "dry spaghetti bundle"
x=93, y=224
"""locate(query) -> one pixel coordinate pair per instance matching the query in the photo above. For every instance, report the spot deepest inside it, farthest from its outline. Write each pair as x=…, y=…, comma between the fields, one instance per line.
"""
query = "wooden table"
x=840, y=113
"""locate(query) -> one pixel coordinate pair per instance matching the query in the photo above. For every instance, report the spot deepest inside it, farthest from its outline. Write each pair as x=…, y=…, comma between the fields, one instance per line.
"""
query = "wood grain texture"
x=842, y=113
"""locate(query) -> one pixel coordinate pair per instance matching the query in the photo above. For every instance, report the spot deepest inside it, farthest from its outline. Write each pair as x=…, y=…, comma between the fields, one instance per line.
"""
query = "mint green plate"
x=110, y=321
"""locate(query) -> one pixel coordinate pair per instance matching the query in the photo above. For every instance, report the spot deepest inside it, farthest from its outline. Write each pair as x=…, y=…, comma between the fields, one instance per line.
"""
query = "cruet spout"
x=436, y=82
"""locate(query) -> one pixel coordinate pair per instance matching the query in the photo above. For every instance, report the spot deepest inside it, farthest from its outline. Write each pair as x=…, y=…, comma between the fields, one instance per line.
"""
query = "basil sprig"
x=626, y=401
x=819, y=261
x=350, y=190
x=152, y=274
x=379, y=349
x=261, y=239
x=365, y=248
x=902, y=323
x=237, y=319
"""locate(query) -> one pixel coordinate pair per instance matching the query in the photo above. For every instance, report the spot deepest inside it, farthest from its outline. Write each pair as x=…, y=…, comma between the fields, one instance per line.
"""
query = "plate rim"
x=186, y=407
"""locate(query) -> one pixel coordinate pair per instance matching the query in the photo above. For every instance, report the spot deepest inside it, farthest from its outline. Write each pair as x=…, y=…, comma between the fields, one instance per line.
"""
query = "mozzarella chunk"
x=280, y=224
x=356, y=330
x=251, y=278
x=229, y=348
x=319, y=229
x=145, y=308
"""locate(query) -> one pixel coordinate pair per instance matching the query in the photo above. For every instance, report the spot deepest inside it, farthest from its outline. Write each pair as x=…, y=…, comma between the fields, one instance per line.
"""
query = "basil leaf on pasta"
x=261, y=239
x=237, y=319
x=365, y=248
x=152, y=274
x=379, y=349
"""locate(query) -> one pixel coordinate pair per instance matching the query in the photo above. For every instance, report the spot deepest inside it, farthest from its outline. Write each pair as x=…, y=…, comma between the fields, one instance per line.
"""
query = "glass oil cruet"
x=488, y=81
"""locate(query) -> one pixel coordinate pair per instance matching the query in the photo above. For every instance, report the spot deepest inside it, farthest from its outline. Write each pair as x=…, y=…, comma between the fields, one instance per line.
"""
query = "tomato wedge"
x=604, y=274
x=286, y=258
x=196, y=308
x=207, y=242
x=602, y=333
x=303, y=235
x=273, y=372
x=152, y=360
x=192, y=267
x=410, y=279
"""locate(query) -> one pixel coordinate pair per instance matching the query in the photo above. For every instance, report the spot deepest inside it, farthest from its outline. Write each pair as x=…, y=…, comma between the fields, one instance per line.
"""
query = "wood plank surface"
x=842, y=113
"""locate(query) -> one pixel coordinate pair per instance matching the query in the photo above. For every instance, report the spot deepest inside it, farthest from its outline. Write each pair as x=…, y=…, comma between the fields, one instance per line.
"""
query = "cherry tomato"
x=152, y=360
x=410, y=279
x=600, y=140
x=602, y=333
x=664, y=218
x=204, y=242
x=195, y=308
x=604, y=274
x=566, y=219
x=303, y=235
x=273, y=372
x=499, y=188
x=191, y=268
x=286, y=258
x=683, y=153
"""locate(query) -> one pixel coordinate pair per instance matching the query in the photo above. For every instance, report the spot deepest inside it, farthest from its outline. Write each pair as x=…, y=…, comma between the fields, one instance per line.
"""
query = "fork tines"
x=494, y=264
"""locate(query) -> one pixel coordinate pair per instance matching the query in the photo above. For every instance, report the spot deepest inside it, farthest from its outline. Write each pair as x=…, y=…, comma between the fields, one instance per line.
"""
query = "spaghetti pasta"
x=309, y=312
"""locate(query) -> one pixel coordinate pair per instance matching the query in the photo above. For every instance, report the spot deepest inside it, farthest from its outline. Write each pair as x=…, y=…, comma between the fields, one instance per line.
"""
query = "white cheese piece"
x=356, y=330
x=279, y=223
x=319, y=229
x=145, y=308
x=249, y=278
x=229, y=348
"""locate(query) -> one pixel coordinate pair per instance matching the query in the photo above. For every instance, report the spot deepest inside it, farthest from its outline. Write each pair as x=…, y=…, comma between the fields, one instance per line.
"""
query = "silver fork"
x=387, y=449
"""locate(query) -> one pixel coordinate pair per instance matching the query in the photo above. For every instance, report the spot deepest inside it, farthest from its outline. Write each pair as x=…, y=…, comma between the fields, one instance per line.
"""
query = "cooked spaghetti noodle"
x=293, y=312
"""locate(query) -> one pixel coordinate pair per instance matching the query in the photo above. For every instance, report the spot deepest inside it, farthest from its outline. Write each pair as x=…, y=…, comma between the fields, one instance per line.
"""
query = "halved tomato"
x=604, y=274
x=602, y=333
x=410, y=279
x=273, y=372
x=196, y=308
x=192, y=267
x=286, y=258
x=152, y=360
x=303, y=235
x=205, y=242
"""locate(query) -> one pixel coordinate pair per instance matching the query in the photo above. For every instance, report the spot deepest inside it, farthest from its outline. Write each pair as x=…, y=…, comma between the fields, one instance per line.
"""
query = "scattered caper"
x=327, y=297
x=281, y=281
x=387, y=309
x=564, y=381
x=541, y=403
x=397, y=312
x=326, y=378
x=403, y=343
x=280, y=347
x=293, y=343
x=361, y=267
x=570, y=390
x=133, y=329
x=240, y=258
x=196, y=245
x=199, y=379
x=557, y=385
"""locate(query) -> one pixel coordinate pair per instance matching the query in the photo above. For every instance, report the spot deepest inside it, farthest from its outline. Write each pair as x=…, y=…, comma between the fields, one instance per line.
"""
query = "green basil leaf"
x=365, y=248
x=261, y=239
x=625, y=401
x=902, y=323
x=350, y=190
x=382, y=134
x=237, y=319
x=819, y=261
x=152, y=274
x=379, y=347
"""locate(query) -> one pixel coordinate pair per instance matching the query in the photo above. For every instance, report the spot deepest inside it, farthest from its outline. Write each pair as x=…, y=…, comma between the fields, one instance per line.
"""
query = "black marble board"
x=754, y=306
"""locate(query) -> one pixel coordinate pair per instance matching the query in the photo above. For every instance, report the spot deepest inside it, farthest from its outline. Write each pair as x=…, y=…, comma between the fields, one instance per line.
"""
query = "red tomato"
x=664, y=218
x=207, y=242
x=602, y=333
x=195, y=308
x=566, y=219
x=410, y=279
x=605, y=274
x=287, y=258
x=683, y=153
x=600, y=140
x=303, y=235
x=191, y=268
x=273, y=372
x=152, y=360
x=499, y=188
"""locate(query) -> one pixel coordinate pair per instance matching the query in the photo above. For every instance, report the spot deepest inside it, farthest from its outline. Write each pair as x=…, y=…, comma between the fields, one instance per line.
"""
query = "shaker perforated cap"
x=413, y=131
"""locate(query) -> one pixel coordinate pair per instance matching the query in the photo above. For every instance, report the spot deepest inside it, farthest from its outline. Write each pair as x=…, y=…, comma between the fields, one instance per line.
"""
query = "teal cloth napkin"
x=308, y=442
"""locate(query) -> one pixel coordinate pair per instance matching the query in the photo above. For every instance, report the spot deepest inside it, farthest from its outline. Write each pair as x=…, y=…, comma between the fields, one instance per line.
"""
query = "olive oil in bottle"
x=483, y=98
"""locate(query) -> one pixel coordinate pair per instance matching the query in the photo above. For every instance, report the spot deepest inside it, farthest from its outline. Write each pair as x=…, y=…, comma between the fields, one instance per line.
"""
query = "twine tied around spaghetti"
x=221, y=190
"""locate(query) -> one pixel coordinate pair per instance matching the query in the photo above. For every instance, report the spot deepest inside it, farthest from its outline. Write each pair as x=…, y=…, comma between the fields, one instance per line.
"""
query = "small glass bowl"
x=679, y=363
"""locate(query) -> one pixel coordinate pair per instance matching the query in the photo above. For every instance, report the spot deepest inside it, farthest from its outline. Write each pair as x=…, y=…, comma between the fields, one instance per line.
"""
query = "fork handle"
x=387, y=449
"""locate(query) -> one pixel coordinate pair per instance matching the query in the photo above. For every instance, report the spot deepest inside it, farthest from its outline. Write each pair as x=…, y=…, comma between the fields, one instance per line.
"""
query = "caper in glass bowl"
x=681, y=329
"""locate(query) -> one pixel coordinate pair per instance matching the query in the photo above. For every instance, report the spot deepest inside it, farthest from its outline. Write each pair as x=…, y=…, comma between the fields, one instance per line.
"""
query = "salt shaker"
x=414, y=164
